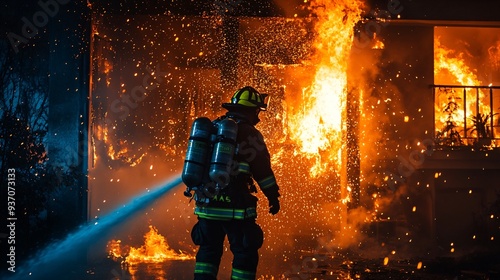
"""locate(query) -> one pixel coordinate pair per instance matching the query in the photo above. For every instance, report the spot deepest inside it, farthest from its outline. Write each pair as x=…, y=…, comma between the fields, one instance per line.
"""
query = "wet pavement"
x=300, y=265
x=474, y=266
x=315, y=266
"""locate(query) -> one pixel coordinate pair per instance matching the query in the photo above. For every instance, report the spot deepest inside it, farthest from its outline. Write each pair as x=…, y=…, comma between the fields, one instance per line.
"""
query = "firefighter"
x=231, y=211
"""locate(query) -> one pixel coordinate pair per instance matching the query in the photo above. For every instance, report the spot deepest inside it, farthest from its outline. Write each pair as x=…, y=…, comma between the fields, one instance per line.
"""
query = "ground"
x=470, y=267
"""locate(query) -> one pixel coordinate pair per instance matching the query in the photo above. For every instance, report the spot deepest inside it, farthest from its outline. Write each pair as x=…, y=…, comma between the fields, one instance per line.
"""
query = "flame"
x=154, y=250
x=450, y=67
x=115, y=249
x=317, y=127
x=378, y=45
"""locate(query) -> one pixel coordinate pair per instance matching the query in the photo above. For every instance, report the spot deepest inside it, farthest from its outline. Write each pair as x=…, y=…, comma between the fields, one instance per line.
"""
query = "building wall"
x=452, y=193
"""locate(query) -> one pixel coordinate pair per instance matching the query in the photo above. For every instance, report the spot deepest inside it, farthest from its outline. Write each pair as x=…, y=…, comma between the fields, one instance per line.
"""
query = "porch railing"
x=466, y=115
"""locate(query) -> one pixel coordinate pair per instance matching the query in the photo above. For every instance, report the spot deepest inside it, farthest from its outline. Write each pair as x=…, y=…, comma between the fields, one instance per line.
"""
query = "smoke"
x=314, y=208
x=494, y=55
x=315, y=214
x=287, y=9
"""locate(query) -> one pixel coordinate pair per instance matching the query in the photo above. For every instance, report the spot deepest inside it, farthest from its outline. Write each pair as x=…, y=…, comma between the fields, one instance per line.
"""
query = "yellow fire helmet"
x=247, y=97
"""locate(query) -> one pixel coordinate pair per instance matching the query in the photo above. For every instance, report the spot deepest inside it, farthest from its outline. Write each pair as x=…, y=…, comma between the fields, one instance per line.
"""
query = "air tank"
x=223, y=152
x=197, y=154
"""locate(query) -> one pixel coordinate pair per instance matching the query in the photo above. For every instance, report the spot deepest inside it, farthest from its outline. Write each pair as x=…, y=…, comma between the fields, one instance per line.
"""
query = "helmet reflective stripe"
x=249, y=97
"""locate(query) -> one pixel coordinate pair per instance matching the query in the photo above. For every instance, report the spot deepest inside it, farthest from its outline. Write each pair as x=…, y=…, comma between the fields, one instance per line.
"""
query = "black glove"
x=274, y=205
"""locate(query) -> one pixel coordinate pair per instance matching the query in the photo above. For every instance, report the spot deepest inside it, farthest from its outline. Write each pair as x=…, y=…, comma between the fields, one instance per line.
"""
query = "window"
x=467, y=86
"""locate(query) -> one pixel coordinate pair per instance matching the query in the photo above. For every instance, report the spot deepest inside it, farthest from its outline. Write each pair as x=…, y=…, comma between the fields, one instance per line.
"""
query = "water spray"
x=48, y=262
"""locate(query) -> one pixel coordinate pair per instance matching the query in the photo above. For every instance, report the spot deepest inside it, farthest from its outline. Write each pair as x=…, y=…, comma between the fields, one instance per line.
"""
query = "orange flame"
x=377, y=44
x=319, y=124
x=450, y=68
x=154, y=250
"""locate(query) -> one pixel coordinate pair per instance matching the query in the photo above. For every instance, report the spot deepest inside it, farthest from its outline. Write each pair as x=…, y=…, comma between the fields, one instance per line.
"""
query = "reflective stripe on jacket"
x=216, y=213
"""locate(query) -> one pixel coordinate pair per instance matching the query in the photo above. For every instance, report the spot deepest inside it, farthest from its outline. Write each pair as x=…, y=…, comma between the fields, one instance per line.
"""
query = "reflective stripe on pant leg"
x=242, y=274
x=210, y=251
x=245, y=258
x=206, y=268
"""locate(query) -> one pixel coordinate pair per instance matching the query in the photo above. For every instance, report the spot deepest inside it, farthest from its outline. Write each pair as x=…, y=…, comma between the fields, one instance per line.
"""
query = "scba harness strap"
x=212, y=192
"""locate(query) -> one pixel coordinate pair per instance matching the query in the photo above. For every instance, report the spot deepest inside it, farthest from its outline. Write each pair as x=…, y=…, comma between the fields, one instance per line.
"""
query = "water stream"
x=58, y=258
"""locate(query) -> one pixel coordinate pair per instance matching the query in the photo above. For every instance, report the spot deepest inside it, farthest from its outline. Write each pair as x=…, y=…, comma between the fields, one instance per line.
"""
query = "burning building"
x=374, y=124
x=383, y=125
